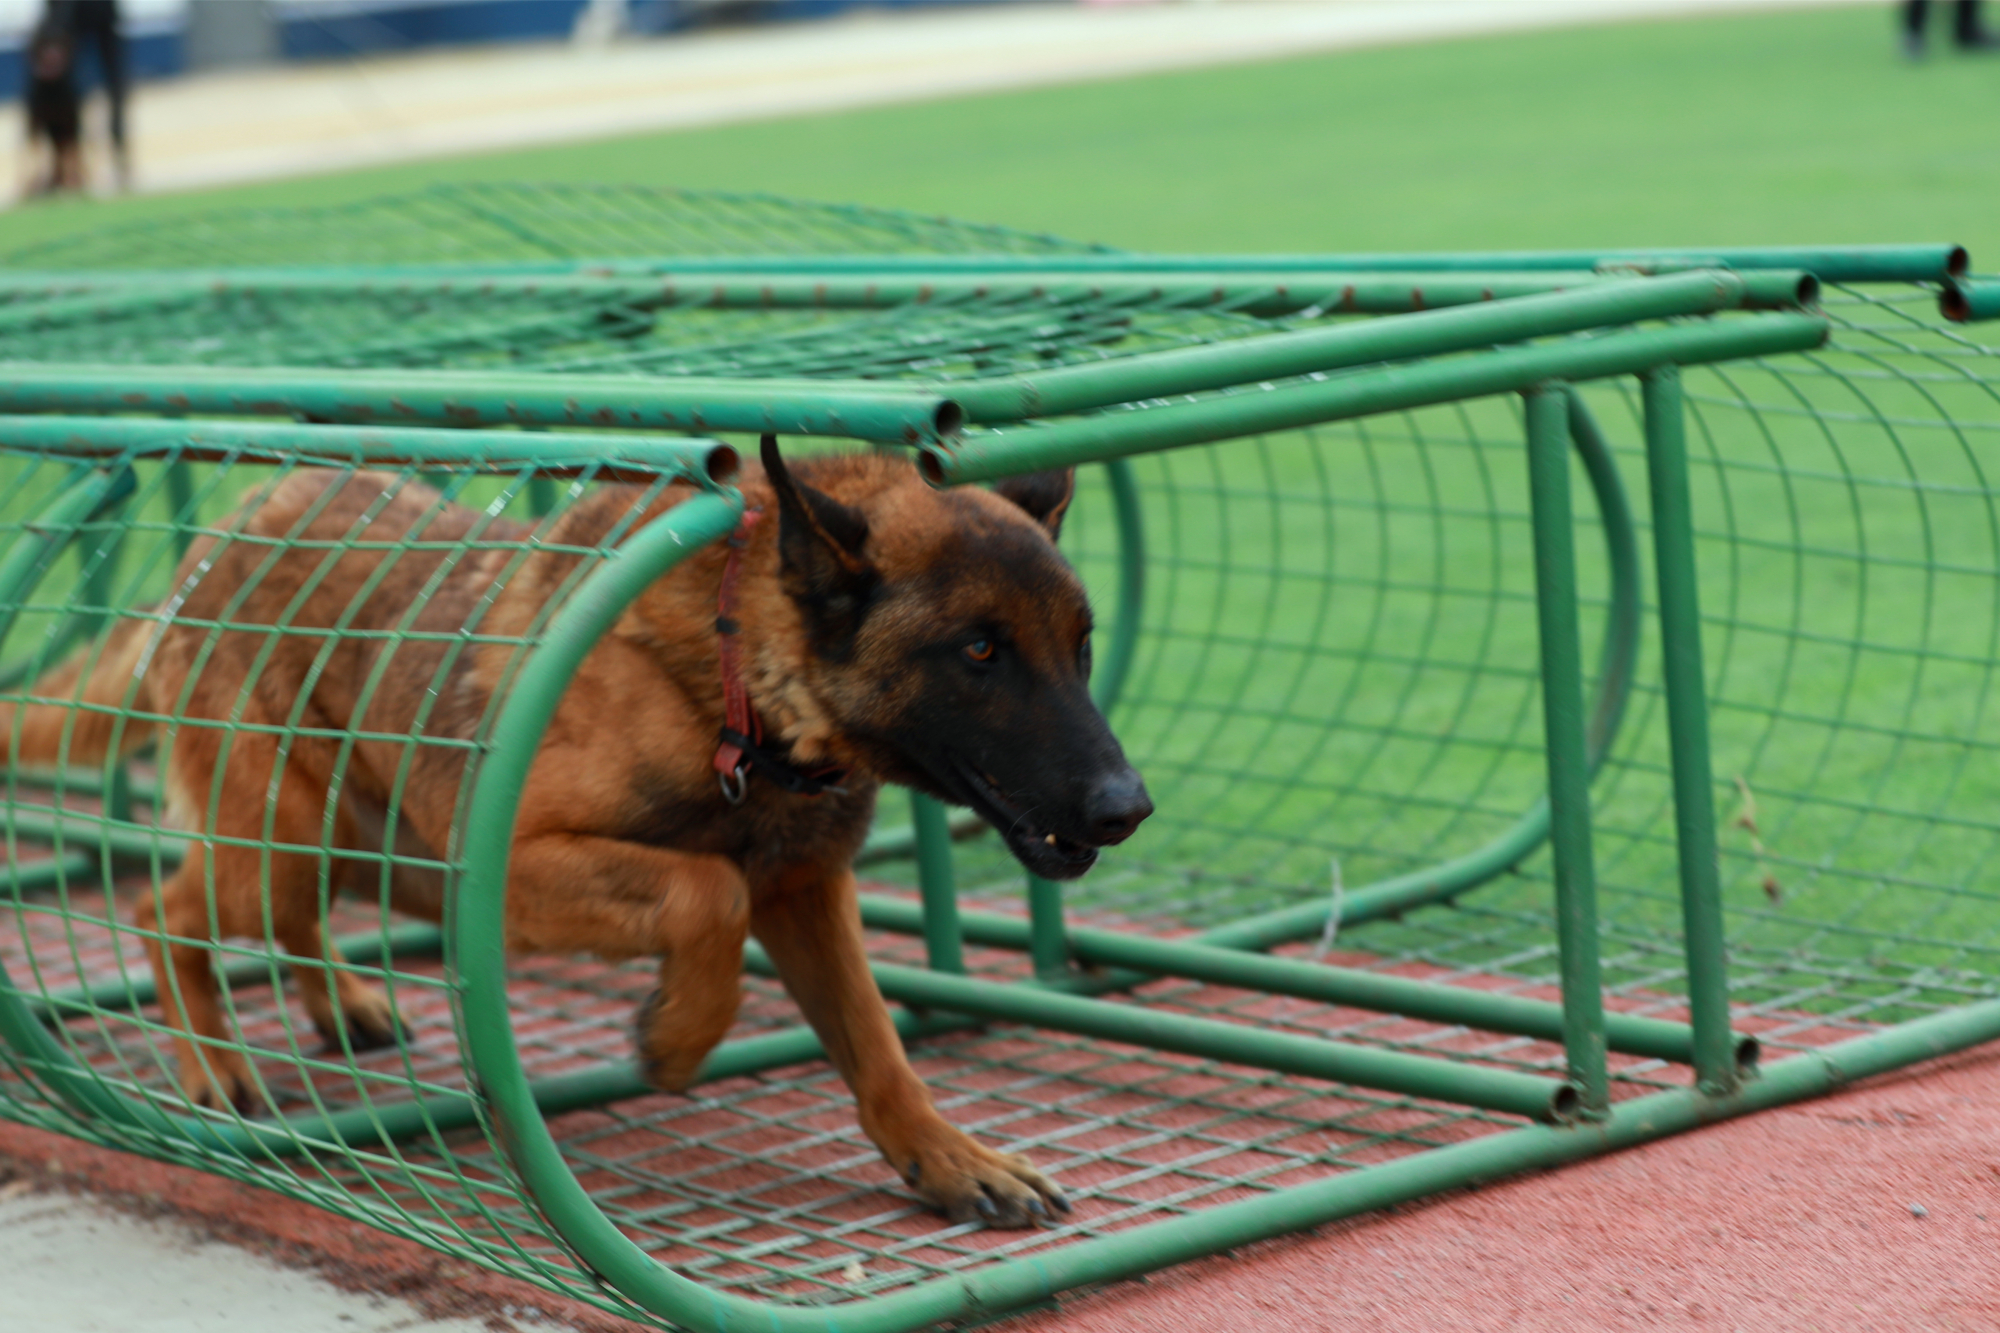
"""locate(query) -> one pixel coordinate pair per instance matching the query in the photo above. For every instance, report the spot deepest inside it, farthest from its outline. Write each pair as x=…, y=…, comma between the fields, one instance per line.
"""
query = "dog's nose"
x=1118, y=804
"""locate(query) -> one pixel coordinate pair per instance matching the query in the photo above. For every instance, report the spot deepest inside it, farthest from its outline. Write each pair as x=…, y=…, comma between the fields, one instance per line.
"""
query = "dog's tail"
x=75, y=713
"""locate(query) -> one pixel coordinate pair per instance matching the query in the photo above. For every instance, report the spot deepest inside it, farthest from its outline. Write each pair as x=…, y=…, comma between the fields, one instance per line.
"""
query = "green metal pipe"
x=180, y=503
x=1832, y=263
x=46, y=873
x=612, y=456
x=1265, y=294
x=407, y=939
x=855, y=410
x=998, y=453
x=1048, y=939
x=1128, y=616
x=944, y=946
x=1144, y=958
x=1246, y=291
x=1525, y=1095
x=1968, y=300
x=1563, y=720
x=899, y=841
x=478, y=925
x=95, y=832
x=1305, y=351
x=595, y=1085
x=1687, y=728
x=1282, y=292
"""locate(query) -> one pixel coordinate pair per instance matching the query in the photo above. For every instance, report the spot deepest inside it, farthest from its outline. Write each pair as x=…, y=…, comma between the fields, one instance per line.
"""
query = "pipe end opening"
x=1958, y=263
x=1808, y=290
x=1749, y=1054
x=723, y=464
x=930, y=467
x=1953, y=305
x=1565, y=1104
x=949, y=419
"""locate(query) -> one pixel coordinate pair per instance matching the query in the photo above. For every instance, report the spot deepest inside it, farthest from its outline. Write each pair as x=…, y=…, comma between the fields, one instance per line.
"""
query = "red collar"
x=741, y=750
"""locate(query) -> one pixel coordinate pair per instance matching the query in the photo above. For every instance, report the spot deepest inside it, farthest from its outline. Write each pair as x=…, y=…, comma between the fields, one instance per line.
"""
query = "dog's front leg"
x=810, y=923
x=568, y=892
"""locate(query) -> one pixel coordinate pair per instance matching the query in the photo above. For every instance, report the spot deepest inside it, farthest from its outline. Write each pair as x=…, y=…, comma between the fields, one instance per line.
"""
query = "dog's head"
x=950, y=641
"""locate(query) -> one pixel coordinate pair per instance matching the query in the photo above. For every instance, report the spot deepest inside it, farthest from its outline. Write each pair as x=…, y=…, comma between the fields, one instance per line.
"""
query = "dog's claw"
x=969, y=1182
x=369, y=1033
x=1061, y=1201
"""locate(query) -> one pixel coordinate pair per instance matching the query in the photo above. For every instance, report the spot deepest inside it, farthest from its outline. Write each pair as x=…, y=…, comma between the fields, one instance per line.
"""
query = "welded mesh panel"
x=1340, y=664
x=173, y=587
x=507, y=223
x=587, y=326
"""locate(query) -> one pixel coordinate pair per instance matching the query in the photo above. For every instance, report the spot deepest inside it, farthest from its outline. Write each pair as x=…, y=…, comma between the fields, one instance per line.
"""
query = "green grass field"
x=1742, y=129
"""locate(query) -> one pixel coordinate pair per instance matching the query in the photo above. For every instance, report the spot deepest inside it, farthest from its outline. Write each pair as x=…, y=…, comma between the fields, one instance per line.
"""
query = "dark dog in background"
x=874, y=629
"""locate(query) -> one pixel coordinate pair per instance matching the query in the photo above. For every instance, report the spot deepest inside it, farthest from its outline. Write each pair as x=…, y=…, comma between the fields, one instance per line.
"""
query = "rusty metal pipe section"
x=1337, y=347
x=1970, y=300
x=853, y=410
x=988, y=455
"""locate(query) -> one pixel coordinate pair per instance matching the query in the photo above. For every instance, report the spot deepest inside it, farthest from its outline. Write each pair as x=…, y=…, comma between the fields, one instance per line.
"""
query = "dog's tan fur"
x=624, y=846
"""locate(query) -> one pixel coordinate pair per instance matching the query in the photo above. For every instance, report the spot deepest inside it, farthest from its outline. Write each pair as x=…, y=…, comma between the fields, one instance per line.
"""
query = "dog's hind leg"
x=240, y=884
x=810, y=923
x=351, y=1013
x=212, y=1071
x=569, y=892
x=349, y=1008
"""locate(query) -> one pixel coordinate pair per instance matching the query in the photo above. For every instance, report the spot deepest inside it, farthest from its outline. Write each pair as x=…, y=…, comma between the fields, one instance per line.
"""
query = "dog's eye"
x=1083, y=657
x=979, y=650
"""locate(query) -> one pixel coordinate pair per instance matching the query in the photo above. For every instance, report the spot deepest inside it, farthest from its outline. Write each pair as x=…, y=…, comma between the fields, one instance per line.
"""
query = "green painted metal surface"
x=1330, y=555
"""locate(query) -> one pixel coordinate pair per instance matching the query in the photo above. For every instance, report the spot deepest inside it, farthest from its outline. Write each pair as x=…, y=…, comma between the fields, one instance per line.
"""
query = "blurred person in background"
x=1968, y=31
x=95, y=23
x=55, y=113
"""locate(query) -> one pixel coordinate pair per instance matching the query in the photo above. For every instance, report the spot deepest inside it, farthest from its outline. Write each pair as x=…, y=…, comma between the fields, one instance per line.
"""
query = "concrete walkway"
x=75, y=1266
x=301, y=119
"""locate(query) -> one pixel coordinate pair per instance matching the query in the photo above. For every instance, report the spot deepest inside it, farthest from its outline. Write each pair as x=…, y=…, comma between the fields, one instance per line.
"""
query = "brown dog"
x=882, y=630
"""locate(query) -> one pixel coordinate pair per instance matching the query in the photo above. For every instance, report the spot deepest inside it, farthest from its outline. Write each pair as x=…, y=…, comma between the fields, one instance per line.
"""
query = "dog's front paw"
x=670, y=1048
x=220, y=1081
x=368, y=1019
x=969, y=1182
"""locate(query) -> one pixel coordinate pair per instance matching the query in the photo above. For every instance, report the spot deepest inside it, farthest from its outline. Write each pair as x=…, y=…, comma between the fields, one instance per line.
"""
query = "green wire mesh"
x=1336, y=682
x=496, y=223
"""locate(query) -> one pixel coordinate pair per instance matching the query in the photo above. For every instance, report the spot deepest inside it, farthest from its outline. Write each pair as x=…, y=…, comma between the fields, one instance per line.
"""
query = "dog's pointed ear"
x=1044, y=496
x=820, y=542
